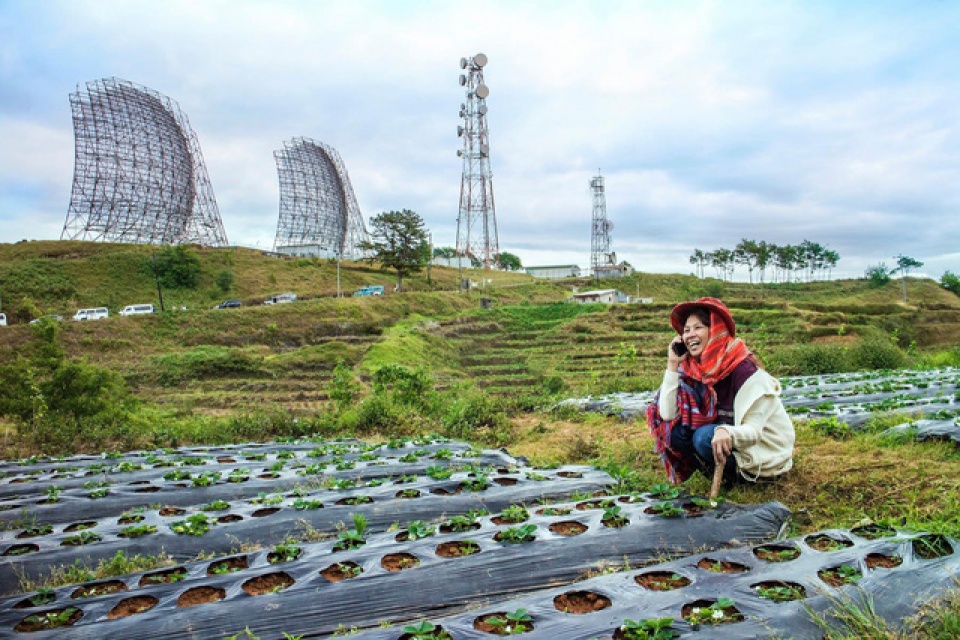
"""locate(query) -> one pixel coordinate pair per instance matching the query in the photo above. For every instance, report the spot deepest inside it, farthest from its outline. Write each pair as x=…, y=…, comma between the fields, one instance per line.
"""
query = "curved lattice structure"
x=319, y=214
x=139, y=176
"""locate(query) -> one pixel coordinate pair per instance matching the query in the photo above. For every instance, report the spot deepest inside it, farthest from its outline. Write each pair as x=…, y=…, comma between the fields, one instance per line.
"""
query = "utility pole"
x=156, y=276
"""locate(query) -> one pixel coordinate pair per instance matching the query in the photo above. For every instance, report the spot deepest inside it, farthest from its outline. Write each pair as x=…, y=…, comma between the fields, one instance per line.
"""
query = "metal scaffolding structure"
x=600, y=254
x=319, y=214
x=139, y=176
x=477, y=220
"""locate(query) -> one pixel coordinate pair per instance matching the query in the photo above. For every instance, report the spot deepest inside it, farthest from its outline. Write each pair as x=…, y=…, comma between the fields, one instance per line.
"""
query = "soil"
x=200, y=595
x=267, y=511
x=268, y=583
x=132, y=606
x=499, y=520
x=10, y=507
x=230, y=517
x=725, y=567
x=776, y=553
x=268, y=476
x=568, y=528
x=172, y=511
x=569, y=474
x=147, y=490
x=505, y=482
x=340, y=571
x=457, y=549
x=480, y=625
x=661, y=581
x=79, y=526
x=443, y=492
x=581, y=602
x=99, y=589
x=874, y=560
x=732, y=613
x=237, y=563
x=826, y=543
x=399, y=561
x=25, y=626
x=162, y=577
x=692, y=509
x=226, y=460
x=447, y=529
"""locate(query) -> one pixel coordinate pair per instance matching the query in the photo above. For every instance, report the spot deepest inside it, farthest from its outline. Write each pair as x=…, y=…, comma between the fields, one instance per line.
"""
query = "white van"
x=92, y=314
x=136, y=309
x=281, y=298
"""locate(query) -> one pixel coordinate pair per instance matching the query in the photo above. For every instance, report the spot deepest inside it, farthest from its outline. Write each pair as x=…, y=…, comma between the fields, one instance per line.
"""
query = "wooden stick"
x=717, y=477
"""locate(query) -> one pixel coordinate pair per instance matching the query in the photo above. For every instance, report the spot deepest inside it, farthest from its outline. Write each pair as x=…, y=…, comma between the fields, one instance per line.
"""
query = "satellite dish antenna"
x=483, y=91
x=485, y=149
x=459, y=131
x=609, y=225
x=463, y=63
x=459, y=153
x=480, y=60
x=463, y=79
x=483, y=109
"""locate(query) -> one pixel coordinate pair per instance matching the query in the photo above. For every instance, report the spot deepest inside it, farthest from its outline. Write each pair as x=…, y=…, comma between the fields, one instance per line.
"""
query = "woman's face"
x=695, y=335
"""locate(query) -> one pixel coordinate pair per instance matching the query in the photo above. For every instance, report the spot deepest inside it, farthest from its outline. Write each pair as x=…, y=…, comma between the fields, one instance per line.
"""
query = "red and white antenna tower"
x=477, y=220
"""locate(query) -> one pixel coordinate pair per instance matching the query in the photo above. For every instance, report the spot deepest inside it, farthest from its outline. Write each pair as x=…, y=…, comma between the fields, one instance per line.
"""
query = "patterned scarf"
x=696, y=396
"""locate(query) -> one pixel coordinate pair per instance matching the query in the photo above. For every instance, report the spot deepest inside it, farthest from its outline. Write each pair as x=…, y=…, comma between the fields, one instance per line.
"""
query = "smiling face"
x=696, y=331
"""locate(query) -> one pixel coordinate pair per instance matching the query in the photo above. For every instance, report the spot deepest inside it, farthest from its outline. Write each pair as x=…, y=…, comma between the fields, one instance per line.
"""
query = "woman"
x=716, y=400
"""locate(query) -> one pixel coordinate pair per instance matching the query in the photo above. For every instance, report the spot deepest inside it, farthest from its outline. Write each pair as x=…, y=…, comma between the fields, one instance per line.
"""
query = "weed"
x=352, y=538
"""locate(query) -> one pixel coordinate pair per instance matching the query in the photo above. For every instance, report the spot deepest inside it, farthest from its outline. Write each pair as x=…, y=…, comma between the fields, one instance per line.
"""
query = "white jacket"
x=762, y=432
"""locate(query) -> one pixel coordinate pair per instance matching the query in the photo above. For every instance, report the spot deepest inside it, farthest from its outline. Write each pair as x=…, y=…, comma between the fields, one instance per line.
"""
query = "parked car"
x=370, y=290
x=3, y=319
x=97, y=313
x=137, y=309
x=281, y=298
x=229, y=304
x=50, y=316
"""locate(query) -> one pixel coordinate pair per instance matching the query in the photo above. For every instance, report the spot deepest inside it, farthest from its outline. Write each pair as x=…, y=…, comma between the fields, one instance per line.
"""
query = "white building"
x=604, y=296
x=554, y=271
x=612, y=270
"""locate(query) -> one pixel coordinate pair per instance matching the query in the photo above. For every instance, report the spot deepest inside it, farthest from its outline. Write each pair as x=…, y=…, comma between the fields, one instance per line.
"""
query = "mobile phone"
x=679, y=348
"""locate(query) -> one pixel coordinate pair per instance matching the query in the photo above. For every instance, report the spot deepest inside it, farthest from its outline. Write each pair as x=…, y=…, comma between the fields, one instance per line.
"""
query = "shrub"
x=876, y=353
x=878, y=275
x=205, y=361
x=343, y=386
x=175, y=267
x=809, y=359
x=950, y=282
x=225, y=280
x=478, y=416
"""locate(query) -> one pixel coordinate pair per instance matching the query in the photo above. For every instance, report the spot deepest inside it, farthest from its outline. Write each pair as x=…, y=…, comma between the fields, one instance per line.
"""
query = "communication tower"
x=138, y=175
x=477, y=220
x=600, y=254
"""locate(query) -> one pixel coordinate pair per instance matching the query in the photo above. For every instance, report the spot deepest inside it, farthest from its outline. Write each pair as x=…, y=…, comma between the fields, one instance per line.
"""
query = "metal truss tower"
x=477, y=220
x=600, y=254
x=319, y=214
x=139, y=176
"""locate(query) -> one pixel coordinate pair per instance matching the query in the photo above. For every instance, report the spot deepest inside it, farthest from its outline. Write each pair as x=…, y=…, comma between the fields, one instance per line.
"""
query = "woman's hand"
x=722, y=445
x=673, y=360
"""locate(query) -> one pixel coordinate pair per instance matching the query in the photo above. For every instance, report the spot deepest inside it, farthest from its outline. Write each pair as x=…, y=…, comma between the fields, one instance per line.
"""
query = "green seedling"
x=53, y=493
x=714, y=614
x=355, y=500
x=177, y=474
x=511, y=624
x=348, y=570
x=664, y=491
x=195, y=525
x=96, y=484
x=442, y=454
x=37, y=530
x=410, y=457
x=376, y=482
x=137, y=531
x=82, y=538
x=649, y=629
x=206, y=479
x=311, y=470
x=352, y=538
x=612, y=515
x=286, y=455
x=301, y=505
x=284, y=553
x=405, y=479
x=417, y=530
x=517, y=535
x=667, y=510
x=536, y=477
x=425, y=631
x=408, y=493
x=224, y=568
x=480, y=483
x=439, y=473
x=706, y=503
x=460, y=523
x=277, y=466
x=265, y=499
x=52, y=619
x=515, y=513
x=239, y=475
x=844, y=573
x=128, y=466
x=96, y=494
x=780, y=593
x=216, y=505
x=551, y=511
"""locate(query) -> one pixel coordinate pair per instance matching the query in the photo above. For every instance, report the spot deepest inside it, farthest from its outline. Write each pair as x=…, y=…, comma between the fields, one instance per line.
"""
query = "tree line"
x=788, y=263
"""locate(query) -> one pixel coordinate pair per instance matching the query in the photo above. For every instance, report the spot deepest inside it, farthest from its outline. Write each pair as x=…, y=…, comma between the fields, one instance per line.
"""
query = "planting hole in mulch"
x=615, y=523
x=408, y=493
x=352, y=500
x=874, y=531
x=226, y=460
x=661, y=580
x=150, y=489
x=439, y=491
x=779, y=591
x=569, y=474
x=41, y=530
x=38, y=600
x=200, y=595
x=10, y=507
x=130, y=519
x=342, y=571
x=581, y=602
x=99, y=589
x=505, y=482
x=267, y=511
x=49, y=620
x=268, y=476
x=722, y=566
x=172, y=511
x=568, y=528
x=79, y=526
x=276, y=557
x=777, y=553
x=875, y=560
x=227, y=565
x=132, y=606
x=499, y=624
x=693, y=510
x=163, y=577
x=730, y=614
x=399, y=561
x=457, y=549
x=593, y=504
x=932, y=546
x=839, y=575
x=230, y=517
x=447, y=528
x=268, y=583
x=550, y=511
x=823, y=542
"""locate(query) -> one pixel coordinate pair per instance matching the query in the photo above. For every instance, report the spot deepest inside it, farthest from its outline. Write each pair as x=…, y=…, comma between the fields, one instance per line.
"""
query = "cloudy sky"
x=836, y=122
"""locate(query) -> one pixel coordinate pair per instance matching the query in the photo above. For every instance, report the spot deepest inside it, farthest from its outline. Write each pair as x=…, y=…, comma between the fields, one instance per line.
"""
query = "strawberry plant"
x=442, y=454
x=283, y=553
x=461, y=523
x=352, y=538
x=137, y=531
x=177, y=474
x=517, y=535
x=206, y=479
x=649, y=629
x=418, y=529
x=439, y=473
x=840, y=575
x=52, y=619
x=510, y=624
x=781, y=592
x=515, y=513
x=82, y=538
x=216, y=505
x=195, y=525
x=410, y=457
x=224, y=568
x=264, y=499
x=480, y=483
x=666, y=509
x=719, y=612
x=664, y=491
x=36, y=530
x=96, y=494
x=239, y=475
x=612, y=517
x=425, y=631
x=53, y=493
x=300, y=504
x=41, y=597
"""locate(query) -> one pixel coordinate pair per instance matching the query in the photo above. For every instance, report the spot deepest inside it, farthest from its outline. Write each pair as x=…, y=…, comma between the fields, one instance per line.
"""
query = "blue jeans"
x=697, y=444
